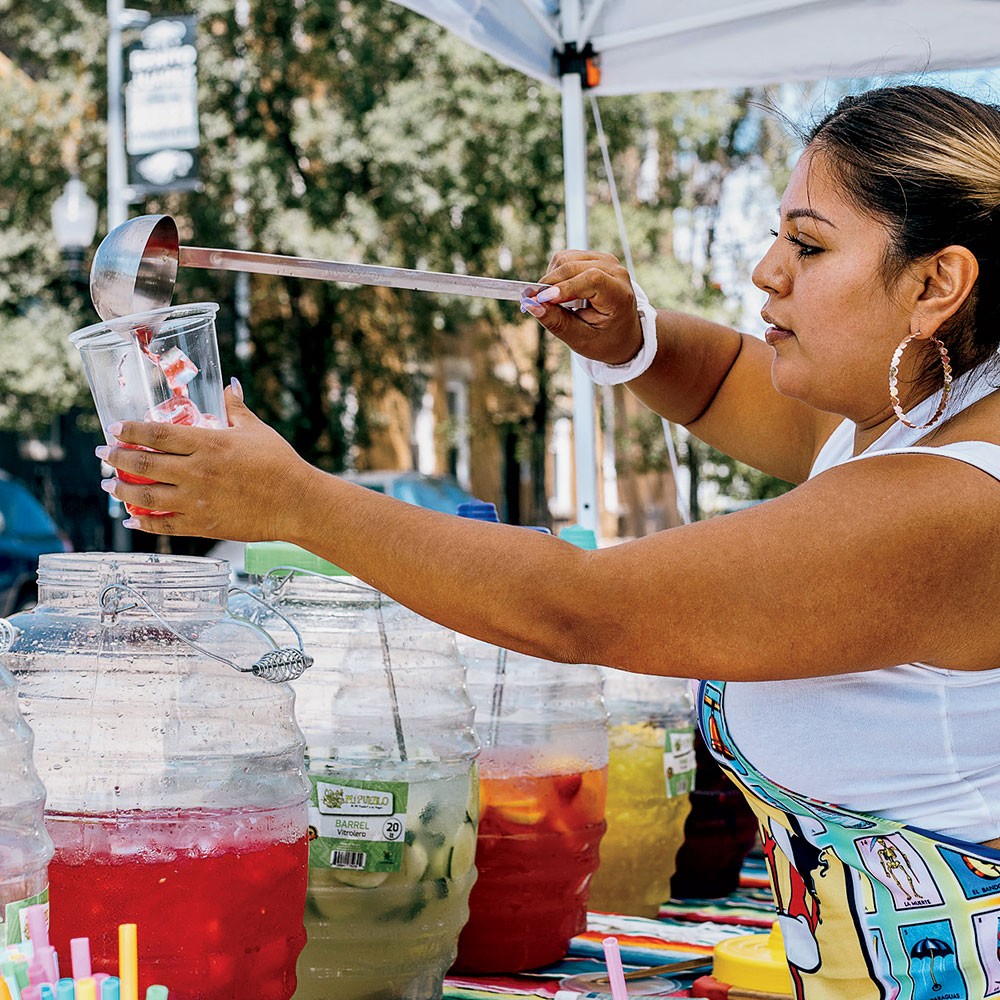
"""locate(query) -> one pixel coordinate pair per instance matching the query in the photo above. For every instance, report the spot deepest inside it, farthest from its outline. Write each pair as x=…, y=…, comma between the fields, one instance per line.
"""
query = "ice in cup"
x=160, y=366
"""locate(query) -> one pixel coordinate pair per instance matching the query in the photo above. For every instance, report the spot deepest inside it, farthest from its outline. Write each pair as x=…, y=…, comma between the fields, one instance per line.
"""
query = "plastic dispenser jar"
x=651, y=771
x=25, y=847
x=394, y=792
x=543, y=775
x=175, y=780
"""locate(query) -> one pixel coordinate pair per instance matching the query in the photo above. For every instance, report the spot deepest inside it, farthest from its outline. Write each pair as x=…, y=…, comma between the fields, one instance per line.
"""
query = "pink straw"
x=613, y=959
x=79, y=950
x=38, y=926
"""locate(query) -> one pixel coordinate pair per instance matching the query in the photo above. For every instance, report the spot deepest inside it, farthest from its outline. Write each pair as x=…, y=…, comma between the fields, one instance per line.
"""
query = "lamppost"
x=74, y=222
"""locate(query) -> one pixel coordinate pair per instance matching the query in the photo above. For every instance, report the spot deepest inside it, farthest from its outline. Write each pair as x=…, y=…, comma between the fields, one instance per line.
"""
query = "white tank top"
x=914, y=743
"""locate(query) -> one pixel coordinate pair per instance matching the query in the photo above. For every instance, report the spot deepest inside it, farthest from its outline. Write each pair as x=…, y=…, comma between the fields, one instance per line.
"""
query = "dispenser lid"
x=260, y=557
x=578, y=535
x=753, y=962
x=479, y=510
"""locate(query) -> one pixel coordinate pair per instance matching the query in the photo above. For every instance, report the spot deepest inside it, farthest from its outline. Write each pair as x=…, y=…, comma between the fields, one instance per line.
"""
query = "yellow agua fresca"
x=650, y=772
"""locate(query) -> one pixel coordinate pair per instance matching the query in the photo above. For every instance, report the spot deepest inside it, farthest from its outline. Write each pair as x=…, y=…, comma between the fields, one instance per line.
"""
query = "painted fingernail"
x=109, y=485
x=130, y=522
x=548, y=294
x=102, y=451
x=115, y=429
x=234, y=384
x=534, y=308
x=524, y=308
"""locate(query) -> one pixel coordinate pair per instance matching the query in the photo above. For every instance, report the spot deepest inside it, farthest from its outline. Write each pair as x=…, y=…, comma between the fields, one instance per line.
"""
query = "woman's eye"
x=802, y=249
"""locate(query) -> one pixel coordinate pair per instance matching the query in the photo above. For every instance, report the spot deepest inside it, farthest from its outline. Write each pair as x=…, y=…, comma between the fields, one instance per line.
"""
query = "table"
x=684, y=929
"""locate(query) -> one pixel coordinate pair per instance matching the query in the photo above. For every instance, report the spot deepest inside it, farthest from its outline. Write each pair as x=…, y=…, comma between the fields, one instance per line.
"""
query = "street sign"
x=161, y=107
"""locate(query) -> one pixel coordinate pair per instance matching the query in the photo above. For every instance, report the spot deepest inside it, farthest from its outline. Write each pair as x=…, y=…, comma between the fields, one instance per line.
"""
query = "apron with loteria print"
x=870, y=909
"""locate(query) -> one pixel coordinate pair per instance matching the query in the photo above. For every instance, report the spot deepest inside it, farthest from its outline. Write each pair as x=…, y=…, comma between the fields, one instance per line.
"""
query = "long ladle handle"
x=357, y=274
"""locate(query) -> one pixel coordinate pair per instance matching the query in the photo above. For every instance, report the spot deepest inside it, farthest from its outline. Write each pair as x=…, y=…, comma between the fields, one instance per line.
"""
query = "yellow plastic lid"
x=753, y=962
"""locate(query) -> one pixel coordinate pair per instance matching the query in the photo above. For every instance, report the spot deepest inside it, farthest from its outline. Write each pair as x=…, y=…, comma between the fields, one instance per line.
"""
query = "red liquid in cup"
x=218, y=897
x=536, y=852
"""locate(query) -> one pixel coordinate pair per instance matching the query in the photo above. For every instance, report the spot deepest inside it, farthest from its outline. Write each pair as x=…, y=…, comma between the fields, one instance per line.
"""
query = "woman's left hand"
x=239, y=483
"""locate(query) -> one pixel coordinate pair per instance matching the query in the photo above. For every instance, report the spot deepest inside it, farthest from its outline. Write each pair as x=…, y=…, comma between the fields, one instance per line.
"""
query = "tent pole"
x=575, y=183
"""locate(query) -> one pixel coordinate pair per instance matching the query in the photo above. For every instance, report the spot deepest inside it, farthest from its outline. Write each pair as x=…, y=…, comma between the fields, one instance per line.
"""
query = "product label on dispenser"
x=14, y=921
x=679, y=761
x=357, y=825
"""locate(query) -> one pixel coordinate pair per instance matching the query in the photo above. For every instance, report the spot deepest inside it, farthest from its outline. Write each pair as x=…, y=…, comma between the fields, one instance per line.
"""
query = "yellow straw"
x=128, y=962
x=4, y=991
x=86, y=989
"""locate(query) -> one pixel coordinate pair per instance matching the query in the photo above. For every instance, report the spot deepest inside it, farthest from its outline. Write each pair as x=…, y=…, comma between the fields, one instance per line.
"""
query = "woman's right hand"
x=607, y=328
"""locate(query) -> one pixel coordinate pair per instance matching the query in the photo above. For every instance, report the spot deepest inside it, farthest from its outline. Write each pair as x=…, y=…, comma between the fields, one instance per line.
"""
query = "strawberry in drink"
x=536, y=853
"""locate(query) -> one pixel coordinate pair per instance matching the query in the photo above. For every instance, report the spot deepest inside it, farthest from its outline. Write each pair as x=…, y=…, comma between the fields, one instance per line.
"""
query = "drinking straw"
x=613, y=958
x=393, y=702
x=128, y=963
x=79, y=950
x=38, y=925
x=48, y=957
x=495, y=707
x=5, y=990
x=86, y=989
x=21, y=974
x=31, y=992
x=99, y=978
x=109, y=988
x=156, y=993
x=37, y=973
x=65, y=989
x=47, y=993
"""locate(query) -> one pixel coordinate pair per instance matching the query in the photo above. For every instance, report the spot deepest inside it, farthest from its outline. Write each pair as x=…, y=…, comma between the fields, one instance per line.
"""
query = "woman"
x=866, y=597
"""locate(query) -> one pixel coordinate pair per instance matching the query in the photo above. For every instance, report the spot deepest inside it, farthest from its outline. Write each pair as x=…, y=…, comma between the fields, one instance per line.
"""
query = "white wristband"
x=604, y=374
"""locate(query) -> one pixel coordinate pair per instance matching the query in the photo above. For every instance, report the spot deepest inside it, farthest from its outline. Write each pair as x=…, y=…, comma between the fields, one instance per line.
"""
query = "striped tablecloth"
x=685, y=929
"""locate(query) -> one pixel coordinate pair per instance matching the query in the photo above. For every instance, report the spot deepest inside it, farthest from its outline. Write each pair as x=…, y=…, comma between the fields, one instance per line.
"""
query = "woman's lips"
x=775, y=334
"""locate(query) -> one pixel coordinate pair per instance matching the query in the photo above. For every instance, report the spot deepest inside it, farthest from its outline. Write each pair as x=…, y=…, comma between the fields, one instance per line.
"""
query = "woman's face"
x=834, y=325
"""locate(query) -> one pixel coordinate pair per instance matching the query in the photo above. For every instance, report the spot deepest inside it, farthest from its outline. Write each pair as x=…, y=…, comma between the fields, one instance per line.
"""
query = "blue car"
x=441, y=493
x=26, y=531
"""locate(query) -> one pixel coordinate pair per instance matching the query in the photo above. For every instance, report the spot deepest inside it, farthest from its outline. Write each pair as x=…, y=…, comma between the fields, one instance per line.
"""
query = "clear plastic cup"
x=160, y=366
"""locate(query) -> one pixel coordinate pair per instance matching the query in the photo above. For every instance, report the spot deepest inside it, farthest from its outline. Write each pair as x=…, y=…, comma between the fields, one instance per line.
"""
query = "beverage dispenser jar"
x=25, y=847
x=175, y=780
x=651, y=767
x=543, y=775
x=393, y=808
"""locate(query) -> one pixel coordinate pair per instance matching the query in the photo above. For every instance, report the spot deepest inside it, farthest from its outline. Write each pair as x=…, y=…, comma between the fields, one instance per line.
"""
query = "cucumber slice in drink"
x=439, y=862
x=415, y=862
x=359, y=880
x=463, y=851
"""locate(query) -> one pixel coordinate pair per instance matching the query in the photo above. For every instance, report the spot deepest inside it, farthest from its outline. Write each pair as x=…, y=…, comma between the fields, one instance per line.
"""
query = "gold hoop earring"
x=894, y=372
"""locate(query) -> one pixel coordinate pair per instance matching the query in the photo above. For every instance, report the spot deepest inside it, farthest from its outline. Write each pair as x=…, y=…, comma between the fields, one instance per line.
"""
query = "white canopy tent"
x=657, y=45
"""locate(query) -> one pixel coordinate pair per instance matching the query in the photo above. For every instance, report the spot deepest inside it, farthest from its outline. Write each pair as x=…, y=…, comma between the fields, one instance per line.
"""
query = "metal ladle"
x=135, y=267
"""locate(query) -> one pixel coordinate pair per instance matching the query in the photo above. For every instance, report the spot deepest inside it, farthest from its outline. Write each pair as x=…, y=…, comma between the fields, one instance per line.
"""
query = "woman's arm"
x=871, y=564
x=705, y=376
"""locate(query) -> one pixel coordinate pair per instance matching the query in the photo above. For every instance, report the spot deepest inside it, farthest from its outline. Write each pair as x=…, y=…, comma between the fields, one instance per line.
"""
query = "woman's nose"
x=770, y=275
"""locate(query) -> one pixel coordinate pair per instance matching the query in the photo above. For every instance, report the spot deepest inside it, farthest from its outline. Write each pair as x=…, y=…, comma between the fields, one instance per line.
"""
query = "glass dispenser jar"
x=543, y=775
x=391, y=760
x=25, y=847
x=651, y=768
x=176, y=789
x=651, y=771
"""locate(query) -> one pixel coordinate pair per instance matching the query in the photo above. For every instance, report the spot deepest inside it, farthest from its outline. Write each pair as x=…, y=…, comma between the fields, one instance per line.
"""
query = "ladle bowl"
x=135, y=267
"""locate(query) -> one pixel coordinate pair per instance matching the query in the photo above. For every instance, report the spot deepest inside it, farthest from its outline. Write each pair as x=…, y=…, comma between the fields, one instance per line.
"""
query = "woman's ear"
x=947, y=281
